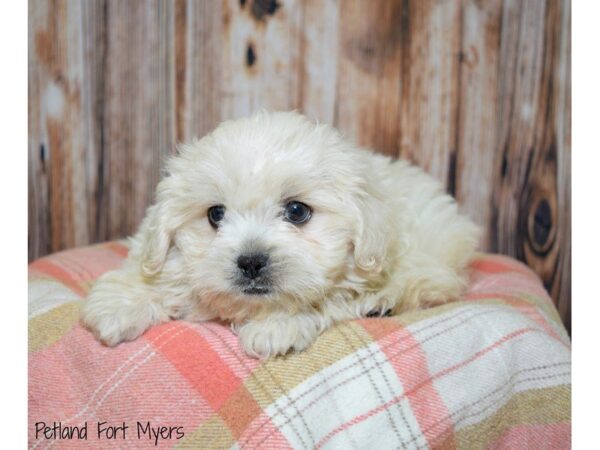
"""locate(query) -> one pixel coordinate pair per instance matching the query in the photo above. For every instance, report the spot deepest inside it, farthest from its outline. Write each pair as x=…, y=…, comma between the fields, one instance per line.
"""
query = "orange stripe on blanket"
x=119, y=248
x=195, y=359
x=48, y=267
x=239, y=411
x=498, y=264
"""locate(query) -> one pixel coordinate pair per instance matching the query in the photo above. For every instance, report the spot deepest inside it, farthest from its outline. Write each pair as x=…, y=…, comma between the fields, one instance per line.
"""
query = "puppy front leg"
x=122, y=305
x=280, y=333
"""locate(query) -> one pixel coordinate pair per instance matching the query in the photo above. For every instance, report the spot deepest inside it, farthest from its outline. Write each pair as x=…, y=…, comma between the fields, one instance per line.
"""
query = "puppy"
x=282, y=228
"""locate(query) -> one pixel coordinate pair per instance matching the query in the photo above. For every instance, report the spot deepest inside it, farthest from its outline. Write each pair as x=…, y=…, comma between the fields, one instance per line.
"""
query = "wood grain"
x=528, y=221
x=368, y=91
x=199, y=67
x=261, y=48
x=476, y=133
x=63, y=128
x=430, y=87
x=319, y=59
x=476, y=92
x=561, y=290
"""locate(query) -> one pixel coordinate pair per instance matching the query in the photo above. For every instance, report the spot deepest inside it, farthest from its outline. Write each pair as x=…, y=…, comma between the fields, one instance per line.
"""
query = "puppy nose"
x=252, y=264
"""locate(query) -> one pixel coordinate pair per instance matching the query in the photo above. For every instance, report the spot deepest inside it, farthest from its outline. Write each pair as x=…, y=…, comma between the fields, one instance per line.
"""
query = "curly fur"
x=383, y=236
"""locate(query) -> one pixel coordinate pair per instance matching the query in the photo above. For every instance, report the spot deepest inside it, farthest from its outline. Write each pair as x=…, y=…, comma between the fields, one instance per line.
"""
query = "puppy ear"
x=372, y=234
x=152, y=242
x=154, y=238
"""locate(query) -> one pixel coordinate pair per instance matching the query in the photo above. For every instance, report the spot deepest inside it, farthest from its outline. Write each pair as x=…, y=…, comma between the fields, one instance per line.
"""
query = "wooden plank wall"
x=477, y=92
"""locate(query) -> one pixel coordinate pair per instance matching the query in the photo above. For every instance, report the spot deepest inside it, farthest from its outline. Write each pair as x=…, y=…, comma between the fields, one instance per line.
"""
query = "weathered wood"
x=368, y=92
x=519, y=91
x=529, y=223
x=476, y=122
x=39, y=210
x=199, y=67
x=478, y=93
x=430, y=66
x=138, y=123
x=94, y=20
x=63, y=131
x=319, y=59
x=261, y=49
x=561, y=292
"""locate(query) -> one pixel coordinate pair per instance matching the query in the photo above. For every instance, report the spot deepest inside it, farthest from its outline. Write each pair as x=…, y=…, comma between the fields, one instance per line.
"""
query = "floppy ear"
x=372, y=234
x=154, y=239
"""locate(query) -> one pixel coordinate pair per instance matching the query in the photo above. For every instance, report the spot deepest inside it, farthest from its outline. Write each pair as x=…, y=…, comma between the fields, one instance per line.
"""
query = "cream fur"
x=383, y=235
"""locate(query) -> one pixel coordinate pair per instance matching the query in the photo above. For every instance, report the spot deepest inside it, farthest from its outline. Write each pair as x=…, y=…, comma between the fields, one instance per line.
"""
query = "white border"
x=586, y=219
x=13, y=110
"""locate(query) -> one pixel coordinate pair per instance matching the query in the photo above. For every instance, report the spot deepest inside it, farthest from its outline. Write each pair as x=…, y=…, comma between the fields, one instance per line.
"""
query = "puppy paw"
x=278, y=336
x=108, y=325
x=379, y=313
x=117, y=310
x=376, y=307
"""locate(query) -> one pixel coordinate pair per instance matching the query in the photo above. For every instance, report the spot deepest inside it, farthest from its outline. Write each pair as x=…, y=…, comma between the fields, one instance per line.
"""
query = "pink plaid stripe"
x=543, y=436
x=413, y=371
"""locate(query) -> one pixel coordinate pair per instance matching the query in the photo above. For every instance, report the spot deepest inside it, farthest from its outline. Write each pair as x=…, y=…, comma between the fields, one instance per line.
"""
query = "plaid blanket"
x=492, y=370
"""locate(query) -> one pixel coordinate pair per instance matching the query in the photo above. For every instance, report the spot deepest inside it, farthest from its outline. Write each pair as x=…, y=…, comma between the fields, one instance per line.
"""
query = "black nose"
x=252, y=264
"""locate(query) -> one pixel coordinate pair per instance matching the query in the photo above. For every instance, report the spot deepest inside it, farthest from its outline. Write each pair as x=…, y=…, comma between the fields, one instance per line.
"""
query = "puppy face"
x=271, y=209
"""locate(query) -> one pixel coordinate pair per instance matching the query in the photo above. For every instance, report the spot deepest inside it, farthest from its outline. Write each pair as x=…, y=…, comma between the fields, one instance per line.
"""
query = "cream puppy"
x=282, y=228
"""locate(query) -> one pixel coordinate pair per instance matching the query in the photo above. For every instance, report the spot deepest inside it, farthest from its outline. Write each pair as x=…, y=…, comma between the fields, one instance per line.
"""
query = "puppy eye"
x=297, y=213
x=215, y=215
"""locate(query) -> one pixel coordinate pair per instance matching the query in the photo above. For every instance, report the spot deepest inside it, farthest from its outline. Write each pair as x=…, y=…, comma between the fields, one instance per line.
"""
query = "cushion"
x=492, y=370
